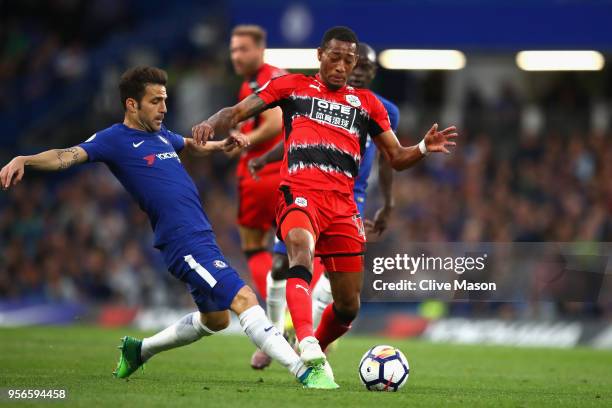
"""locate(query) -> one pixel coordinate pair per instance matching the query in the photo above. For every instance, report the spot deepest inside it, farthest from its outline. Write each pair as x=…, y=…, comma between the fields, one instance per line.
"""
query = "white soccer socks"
x=269, y=340
x=185, y=331
x=321, y=297
x=275, y=302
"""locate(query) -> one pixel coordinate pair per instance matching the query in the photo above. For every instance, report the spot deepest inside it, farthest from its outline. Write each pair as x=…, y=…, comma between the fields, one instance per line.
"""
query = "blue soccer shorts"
x=197, y=260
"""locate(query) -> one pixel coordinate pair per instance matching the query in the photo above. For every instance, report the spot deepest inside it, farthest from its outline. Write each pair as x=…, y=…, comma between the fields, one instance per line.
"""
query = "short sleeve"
x=177, y=141
x=277, y=89
x=97, y=148
x=379, y=118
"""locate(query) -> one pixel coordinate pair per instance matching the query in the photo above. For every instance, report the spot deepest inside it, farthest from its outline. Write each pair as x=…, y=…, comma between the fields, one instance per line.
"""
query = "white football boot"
x=311, y=353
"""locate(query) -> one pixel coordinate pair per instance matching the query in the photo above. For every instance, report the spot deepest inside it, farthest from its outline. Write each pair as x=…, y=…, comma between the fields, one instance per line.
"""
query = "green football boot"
x=129, y=359
x=316, y=378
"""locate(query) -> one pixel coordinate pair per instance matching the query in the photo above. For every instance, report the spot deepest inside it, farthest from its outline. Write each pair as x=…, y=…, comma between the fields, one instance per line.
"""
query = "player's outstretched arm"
x=227, y=118
x=226, y=145
x=401, y=157
x=51, y=160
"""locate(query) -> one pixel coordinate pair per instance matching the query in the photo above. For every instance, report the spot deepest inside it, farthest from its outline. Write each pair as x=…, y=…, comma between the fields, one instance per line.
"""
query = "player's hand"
x=202, y=132
x=12, y=172
x=439, y=141
x=239, y=139
x=255, y=165
x=236, y=140
x=380, y=222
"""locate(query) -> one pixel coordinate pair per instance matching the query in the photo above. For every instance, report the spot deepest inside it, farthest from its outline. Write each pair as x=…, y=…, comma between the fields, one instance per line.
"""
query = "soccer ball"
x=383, y=368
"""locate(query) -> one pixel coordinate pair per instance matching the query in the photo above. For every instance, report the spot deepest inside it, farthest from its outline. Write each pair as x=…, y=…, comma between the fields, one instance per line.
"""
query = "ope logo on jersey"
x=333, y=113
x=150, y=159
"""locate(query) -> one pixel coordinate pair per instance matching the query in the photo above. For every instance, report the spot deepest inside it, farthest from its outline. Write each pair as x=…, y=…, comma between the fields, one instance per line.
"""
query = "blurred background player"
x=255, y=214
x=361, y=77
x=142, y=154
x=327, y=124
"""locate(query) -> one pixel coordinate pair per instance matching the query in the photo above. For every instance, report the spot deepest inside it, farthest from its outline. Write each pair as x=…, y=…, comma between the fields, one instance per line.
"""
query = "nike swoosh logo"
x=138, y=144
x=268, y=329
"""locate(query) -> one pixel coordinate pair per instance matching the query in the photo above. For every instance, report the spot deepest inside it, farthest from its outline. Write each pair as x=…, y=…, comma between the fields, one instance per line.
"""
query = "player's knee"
x=244, y=299
x=347, y=309
x=300, y=246
x=280, y=265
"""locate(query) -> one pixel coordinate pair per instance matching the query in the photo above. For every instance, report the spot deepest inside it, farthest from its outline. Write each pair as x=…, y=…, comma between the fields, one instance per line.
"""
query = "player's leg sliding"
x=266, y=336
x=186, y=331
x=134, y=352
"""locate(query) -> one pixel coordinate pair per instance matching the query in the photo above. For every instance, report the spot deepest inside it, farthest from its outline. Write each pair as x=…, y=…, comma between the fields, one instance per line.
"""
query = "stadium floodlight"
x=292, y=58
x=560, y=60
x=422, y=59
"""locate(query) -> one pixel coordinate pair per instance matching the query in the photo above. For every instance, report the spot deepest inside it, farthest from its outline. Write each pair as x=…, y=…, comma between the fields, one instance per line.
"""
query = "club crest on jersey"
x=301, y=202
x=353, y=100
x=163, y=139
x=219, y=264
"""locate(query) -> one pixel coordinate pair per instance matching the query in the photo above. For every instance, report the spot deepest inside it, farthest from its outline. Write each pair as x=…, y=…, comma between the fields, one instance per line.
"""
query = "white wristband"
x=423, y=148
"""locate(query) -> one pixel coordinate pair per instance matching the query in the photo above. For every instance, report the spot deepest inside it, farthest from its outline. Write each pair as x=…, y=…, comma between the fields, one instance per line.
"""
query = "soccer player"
x=255, y=214
x=361, y=77
x=142, y=154
x=326, y=128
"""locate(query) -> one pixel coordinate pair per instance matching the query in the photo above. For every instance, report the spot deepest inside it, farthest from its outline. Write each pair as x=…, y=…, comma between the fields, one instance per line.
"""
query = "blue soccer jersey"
x=148, y=166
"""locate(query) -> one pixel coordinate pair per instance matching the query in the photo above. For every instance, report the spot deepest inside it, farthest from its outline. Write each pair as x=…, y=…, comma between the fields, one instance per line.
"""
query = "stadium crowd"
x=77, y=236
x=81, y=238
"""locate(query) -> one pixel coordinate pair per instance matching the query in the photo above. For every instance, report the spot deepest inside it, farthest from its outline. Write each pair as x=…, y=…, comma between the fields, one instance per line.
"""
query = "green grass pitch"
x=214, y=372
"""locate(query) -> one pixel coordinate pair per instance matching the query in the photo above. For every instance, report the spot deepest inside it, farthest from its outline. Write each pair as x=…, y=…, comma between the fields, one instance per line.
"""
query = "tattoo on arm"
x=67, y=157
